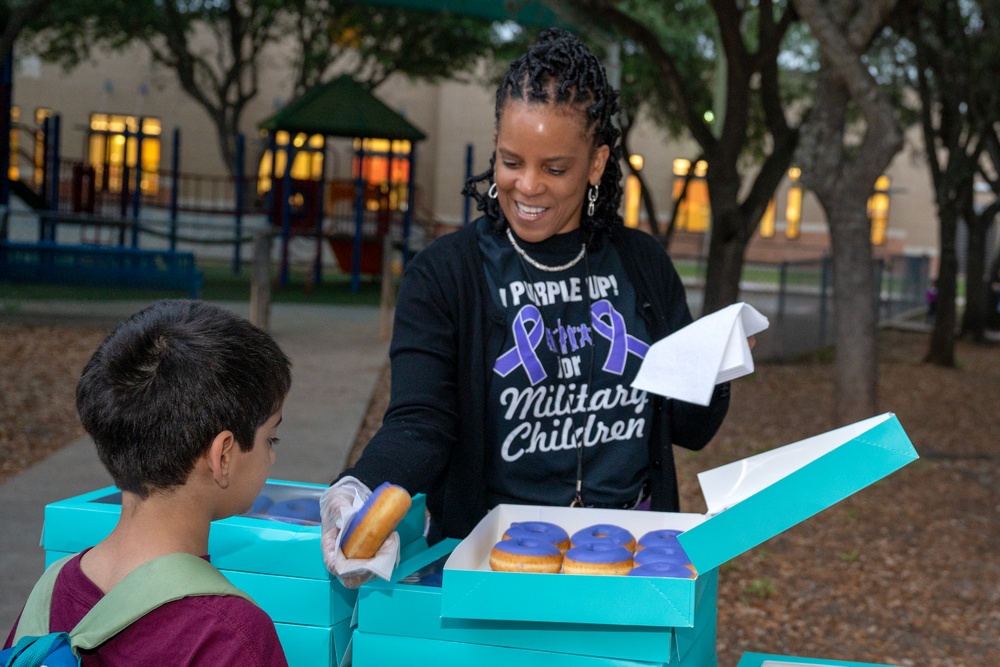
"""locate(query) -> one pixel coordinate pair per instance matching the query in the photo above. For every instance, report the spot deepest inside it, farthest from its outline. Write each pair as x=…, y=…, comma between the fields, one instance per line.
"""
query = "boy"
x=183, y=401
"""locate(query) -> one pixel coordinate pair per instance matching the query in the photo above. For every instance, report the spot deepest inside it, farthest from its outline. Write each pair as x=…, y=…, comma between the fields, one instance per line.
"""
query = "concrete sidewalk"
x=336, y=360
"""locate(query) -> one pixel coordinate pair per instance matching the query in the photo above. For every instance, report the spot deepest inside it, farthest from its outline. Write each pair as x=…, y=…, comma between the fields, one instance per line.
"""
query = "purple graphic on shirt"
x=622, y=343
x=529, y=331
x=525, y=342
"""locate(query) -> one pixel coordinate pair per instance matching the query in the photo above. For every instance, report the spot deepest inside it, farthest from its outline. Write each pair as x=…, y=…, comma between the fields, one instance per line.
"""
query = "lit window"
x=307, y=164
x=13, y=171
x=767, y=221
x=386, y=170
x=38, y=158
x=694, y=214
x=878, y=210
x=793, y=205
x=114, y=147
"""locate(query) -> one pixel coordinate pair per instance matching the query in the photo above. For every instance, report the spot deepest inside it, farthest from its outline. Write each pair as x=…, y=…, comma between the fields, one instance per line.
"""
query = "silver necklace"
x=544, y=267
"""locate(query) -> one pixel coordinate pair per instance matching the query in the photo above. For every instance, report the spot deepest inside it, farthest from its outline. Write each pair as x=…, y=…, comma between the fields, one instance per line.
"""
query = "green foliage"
x=427, y=46
x=760, y=589
x=850, y=556
x=730, y=566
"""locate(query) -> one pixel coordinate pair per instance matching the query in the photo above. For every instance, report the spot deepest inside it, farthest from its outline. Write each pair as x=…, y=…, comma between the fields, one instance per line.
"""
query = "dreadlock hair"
x=560, y=70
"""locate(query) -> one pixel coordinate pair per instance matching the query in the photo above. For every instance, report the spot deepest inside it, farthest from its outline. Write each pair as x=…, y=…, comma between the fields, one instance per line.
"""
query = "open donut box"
x=278, y=563
x=399, y=622
x=748, y=501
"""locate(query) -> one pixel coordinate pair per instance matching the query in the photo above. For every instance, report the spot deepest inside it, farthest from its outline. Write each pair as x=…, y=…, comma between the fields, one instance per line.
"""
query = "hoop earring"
x=592, y=192
x=492, y=192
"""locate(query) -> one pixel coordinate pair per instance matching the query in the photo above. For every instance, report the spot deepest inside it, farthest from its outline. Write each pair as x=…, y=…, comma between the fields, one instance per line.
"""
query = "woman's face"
x=545, y=160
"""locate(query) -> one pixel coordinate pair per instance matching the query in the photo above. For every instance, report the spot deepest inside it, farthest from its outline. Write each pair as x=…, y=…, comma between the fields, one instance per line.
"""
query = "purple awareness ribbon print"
x=525, y=342
x=622, y=342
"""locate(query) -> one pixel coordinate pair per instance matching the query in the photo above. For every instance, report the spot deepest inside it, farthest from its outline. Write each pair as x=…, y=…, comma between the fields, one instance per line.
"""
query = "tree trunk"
x=855, y=305
x=843, y=181
x=976, y=292
x=725, y=261
x=941, y=350
x=645, y=194
x=227, y=128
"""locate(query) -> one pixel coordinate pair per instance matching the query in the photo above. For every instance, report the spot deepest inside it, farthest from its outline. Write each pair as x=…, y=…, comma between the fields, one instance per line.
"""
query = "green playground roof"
x=342, y=108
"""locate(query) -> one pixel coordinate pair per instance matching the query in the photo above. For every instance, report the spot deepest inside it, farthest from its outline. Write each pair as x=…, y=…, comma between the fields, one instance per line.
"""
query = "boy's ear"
x=220, y=457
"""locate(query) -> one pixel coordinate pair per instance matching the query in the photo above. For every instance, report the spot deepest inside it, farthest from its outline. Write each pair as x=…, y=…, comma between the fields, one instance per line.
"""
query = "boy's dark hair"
x=559, y=69
x=169, y=379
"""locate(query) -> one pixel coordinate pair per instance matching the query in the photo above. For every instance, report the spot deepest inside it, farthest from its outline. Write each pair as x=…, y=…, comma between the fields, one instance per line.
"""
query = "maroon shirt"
x=209, y=630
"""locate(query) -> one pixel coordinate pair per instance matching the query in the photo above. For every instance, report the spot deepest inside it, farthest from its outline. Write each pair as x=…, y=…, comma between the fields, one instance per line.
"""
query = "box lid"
x=752, y=500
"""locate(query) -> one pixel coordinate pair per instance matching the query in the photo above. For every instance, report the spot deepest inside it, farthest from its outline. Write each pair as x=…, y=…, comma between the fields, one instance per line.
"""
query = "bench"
x=105, y=266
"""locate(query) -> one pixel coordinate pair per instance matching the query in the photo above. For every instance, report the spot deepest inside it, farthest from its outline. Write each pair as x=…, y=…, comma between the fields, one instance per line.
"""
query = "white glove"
x=337, y=505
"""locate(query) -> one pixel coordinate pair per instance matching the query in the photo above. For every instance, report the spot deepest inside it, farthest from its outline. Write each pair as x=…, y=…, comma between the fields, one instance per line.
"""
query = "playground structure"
x=116, y=200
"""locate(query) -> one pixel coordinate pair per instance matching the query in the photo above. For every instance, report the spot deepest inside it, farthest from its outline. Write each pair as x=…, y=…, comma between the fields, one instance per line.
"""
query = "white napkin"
x=688, y=363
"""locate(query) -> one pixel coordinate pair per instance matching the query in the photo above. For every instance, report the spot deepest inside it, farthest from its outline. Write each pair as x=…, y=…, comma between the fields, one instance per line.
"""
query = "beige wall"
x=452, y=114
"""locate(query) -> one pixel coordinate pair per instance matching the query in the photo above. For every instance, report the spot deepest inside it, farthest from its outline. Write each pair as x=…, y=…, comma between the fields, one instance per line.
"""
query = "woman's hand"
x=337, y=505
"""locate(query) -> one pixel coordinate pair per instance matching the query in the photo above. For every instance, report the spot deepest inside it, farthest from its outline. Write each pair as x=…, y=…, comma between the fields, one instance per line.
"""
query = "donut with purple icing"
x=375, y=521
x=603, y=532
x=261, y=504
x=662, y=569
x=539, y=530
x=666, y=537
x=598, y=557
x=674, y=554
x=525, y=554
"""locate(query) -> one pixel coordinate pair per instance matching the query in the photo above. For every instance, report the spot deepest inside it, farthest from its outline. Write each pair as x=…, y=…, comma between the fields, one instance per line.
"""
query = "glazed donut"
x=662, y=569
x=673, y=554
x=659, y=538
x=375, y=521
x=296, y=509
x=539, y=530
x=604, y=532
x=598, y=557
x=525, y=554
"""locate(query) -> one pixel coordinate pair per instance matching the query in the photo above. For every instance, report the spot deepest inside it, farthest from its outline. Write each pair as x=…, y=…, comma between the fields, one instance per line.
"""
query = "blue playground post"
x=240, y=152
x=359, y=213
x=175, y=173
x=320, y=212
x=467, y=205
x=56, y=159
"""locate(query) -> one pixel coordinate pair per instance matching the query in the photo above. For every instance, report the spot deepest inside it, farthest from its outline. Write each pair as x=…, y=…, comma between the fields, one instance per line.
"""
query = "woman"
x=517, y=337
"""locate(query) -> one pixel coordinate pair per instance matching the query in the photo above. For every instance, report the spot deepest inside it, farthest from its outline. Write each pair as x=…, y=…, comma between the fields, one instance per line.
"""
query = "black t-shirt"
x=573, y=346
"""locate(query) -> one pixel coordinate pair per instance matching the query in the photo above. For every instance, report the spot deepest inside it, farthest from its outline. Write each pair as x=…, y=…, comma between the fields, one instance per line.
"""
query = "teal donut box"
x=278, y=564
x=400, y=623
x=485, y=618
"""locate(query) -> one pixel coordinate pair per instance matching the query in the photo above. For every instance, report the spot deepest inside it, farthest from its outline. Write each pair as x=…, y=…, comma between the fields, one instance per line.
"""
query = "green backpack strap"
x=151, y=585
x=34, y=621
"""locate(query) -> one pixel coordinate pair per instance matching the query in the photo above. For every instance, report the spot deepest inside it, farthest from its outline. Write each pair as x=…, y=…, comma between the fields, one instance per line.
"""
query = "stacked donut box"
x=481, y=617
x=279, y=564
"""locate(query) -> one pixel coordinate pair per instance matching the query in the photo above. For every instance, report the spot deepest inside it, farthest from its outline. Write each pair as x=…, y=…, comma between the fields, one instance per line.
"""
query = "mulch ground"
x=905, y=572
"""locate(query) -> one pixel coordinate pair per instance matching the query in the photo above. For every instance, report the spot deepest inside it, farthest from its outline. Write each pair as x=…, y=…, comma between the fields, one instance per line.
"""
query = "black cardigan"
x=448, y=333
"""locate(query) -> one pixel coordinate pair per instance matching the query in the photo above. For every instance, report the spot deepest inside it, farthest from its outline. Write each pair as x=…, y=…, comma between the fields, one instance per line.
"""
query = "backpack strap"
x=34, y=621
x=147, y=587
